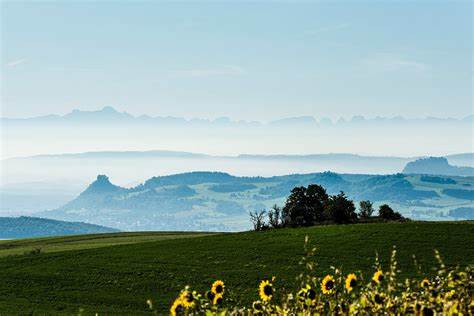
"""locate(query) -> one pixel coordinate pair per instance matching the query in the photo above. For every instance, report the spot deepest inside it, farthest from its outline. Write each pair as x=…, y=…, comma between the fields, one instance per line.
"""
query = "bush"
x=449, y=292
x=387, y=213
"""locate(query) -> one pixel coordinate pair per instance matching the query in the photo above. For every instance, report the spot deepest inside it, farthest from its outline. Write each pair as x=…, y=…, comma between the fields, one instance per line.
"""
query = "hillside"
x=216, y=201
x=437, y=166
x=27, y=227
x=89, y=241
x=119, y=279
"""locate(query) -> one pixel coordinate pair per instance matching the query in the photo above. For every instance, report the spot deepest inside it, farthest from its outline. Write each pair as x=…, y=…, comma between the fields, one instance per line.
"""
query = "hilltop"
x=437, y=166
x=119, y=279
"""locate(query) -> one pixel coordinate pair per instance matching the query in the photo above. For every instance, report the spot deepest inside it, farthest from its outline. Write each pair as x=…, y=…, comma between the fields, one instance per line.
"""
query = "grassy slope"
x=119, y=279
x=78, y=242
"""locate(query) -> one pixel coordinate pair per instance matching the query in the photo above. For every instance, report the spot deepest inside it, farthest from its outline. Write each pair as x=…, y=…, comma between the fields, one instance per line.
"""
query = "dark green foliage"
x=365, y=209
x=460, y=194
x=387, y=213
x=305, y=206
x=340, y=209
x=117, y=280
x=275, y=217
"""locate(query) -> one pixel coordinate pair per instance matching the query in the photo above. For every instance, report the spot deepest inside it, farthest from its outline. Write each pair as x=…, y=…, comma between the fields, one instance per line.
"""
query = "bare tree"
x=257, y=219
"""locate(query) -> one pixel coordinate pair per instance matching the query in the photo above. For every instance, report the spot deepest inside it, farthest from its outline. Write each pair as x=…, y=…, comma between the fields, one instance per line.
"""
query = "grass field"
x=54, y=244
x=118, y=279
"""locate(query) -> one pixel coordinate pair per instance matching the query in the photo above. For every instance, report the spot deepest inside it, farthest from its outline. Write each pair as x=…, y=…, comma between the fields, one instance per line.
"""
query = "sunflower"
x=327, y=285
x=351, y=282
x=378, y=299
x=178, y=307
x=425, y=283
x=265, y=290
x=218, y=287
x=257, y=305
x=378, y=276
x=210, y=296
x=188, y=299
x=217, y=300
x=310, y=294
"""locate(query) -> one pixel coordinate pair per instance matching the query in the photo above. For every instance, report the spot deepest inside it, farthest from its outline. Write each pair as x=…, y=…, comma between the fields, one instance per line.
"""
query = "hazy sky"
x=244, y=60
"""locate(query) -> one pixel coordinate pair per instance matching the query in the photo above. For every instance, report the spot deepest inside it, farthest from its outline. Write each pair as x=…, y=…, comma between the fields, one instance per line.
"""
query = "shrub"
x=387, y=213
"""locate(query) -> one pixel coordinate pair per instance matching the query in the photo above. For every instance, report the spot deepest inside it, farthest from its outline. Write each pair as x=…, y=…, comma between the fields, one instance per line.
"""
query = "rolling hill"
x=118, y=279
x=27, y=227
x=216, y=201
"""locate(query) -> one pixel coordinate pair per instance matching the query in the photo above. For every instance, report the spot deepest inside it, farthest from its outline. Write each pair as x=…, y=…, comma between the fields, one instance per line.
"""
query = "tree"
x=305, y=206
x=275, y=217
x=365, y=209
x=257, y=219
x=341, y=210
x=387, y=213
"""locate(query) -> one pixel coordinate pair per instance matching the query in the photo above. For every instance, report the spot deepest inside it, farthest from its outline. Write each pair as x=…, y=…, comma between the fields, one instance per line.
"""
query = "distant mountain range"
x=29, y=227
x=111, y=115
x=437, y=166
x=220, y=201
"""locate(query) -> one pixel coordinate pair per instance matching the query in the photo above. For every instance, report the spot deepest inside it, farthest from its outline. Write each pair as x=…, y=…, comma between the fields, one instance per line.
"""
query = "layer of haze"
x=253, y=61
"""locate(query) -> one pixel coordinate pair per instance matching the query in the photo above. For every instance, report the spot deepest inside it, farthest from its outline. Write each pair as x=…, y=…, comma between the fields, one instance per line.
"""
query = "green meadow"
x=117, y=273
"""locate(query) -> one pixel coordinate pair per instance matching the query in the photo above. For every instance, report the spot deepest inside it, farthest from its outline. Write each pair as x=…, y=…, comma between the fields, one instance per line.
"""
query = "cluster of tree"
x=309, y=206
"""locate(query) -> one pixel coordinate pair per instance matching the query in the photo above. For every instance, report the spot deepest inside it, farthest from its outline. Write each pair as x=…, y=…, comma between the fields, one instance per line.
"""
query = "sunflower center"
x=353, y=283
x=219, y=288
x=268, y=290
x=329, y=284
x=210, y=295
x=378, y=299
x=311, y=294
x=179, y=310
x=189, y=297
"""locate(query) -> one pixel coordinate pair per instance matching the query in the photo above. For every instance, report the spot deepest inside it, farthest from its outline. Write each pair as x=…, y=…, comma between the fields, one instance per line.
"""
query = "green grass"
x=55, y=244
x=118, y=279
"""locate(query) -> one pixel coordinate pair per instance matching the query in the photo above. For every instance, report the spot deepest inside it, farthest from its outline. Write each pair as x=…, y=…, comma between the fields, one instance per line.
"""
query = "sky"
x=245, y=60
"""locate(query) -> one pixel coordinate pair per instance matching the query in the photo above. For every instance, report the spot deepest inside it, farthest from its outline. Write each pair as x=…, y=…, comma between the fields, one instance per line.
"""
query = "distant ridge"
x=458, y=159
x=28, y=227
x=209, y=200
x=109, y=114
x=436, y=166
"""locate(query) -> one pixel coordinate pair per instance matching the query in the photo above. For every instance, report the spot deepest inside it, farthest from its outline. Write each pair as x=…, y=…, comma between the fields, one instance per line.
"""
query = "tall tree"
x=366, y=209
x=305, y=206
x=341, y=210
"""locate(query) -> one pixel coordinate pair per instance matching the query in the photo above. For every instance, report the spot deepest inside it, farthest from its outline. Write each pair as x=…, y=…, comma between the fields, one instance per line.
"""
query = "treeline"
x=309, y=206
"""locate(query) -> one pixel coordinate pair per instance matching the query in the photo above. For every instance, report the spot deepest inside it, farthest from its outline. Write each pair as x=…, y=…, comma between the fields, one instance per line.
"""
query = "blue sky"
x=244, y=60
